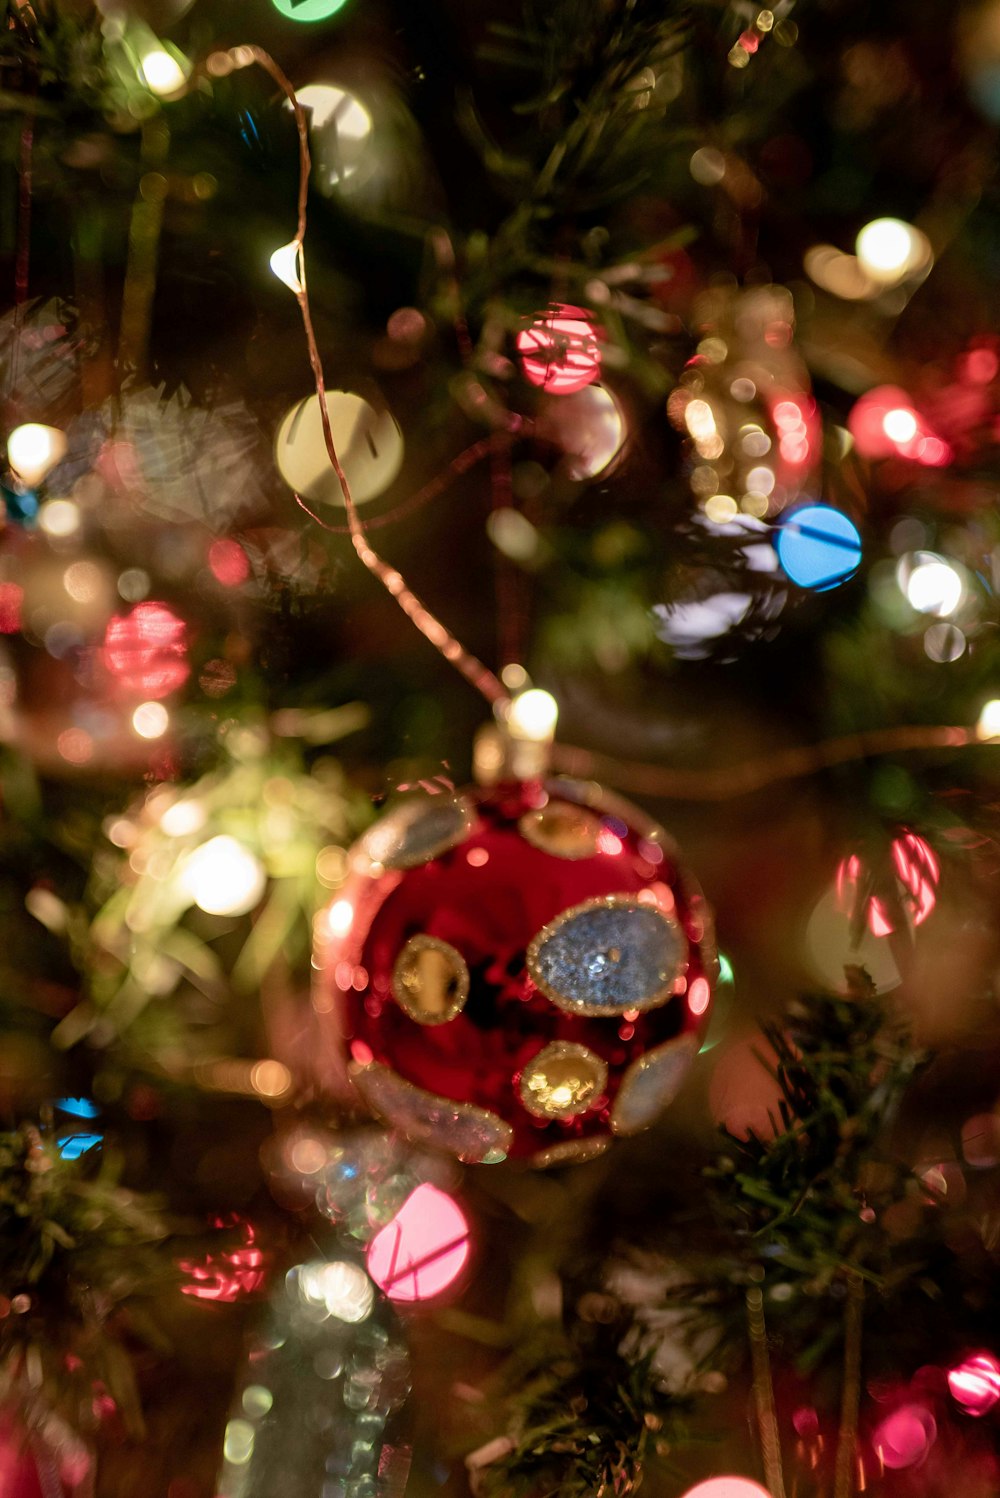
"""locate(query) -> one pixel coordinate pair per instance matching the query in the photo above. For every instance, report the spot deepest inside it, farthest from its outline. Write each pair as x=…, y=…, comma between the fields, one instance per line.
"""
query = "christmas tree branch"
x=763, y=1393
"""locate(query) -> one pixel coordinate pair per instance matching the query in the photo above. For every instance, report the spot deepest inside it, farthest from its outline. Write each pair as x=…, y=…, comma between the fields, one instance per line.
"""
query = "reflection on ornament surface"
x=588, y=425
x=917, y=872
x=583, y=955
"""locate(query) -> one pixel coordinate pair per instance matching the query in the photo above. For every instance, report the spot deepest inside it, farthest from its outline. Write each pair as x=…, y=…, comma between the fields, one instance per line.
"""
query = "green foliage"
x=808, y=1200
x=585, y=1417
x=75, y=1254
x=161, y=975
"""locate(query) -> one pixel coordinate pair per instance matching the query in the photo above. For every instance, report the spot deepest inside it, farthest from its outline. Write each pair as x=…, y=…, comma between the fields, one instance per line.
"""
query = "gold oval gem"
x=562, y=1081
x=562, y=829
x=430, y=980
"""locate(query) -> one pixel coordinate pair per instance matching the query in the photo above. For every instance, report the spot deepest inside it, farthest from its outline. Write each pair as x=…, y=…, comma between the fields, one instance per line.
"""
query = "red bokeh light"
x=229, y=1275
x=146, y=650
x=885, y=424
x=917, y=871
x=228, y=562
x=423, y=1249
x=560, y=352
x=11, y=600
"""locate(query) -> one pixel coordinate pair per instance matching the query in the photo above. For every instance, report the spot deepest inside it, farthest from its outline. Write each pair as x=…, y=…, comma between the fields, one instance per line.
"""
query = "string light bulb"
x=988, y=726
x=33, y=450
x=533, y=716
x=288, y=264
x=162, y=73
x=888, y=250
x=223, y=877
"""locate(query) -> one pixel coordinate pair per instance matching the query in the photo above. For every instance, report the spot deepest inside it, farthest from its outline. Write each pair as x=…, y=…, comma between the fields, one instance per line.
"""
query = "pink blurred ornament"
x=904, y=1438
x=975, y=1383
x=559, y=351
x=423, y=1249
x=145, y=650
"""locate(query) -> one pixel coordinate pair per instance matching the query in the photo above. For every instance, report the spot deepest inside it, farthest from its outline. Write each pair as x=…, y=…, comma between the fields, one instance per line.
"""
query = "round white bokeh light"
x=369, y=446
x=223, y=877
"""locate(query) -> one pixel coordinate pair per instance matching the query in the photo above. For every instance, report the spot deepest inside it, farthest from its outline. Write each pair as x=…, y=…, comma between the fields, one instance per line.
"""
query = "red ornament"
x=146, y=650
x=523, y=970
x=559, y=351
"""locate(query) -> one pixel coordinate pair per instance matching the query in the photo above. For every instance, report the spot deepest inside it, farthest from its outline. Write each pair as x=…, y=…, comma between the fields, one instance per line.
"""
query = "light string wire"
x=448, y=645
x=642, y=778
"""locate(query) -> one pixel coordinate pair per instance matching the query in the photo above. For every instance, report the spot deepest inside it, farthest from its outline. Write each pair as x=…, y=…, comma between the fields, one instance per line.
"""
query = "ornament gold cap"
x=518, y=746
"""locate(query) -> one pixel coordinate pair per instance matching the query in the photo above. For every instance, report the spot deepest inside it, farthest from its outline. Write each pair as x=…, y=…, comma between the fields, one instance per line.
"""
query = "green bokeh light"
x=309, y=10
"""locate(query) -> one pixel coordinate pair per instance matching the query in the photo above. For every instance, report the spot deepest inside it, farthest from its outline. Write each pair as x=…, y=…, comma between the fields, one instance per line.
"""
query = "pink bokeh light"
x=559, y=351
x=918, y=871
x=423, y=1249
x=228, y=562
x=145, y=650
x=975, y=1383
x=230, y=1275
x=727, y=1487
x=904, y=1438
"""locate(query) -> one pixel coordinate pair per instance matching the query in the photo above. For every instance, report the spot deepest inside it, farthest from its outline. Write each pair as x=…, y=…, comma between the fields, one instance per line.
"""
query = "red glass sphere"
x=523, y=970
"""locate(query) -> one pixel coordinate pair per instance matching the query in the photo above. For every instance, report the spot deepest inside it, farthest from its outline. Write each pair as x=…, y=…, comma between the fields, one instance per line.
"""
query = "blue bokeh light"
x=72, y=1146
x=77, y=1107
x=818, y=547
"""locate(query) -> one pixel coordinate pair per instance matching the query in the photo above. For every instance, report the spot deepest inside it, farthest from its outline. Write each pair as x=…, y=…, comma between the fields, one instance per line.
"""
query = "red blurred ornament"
x=146, y=650
x=560, y=351
x=520, y=970
x=916, y=871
